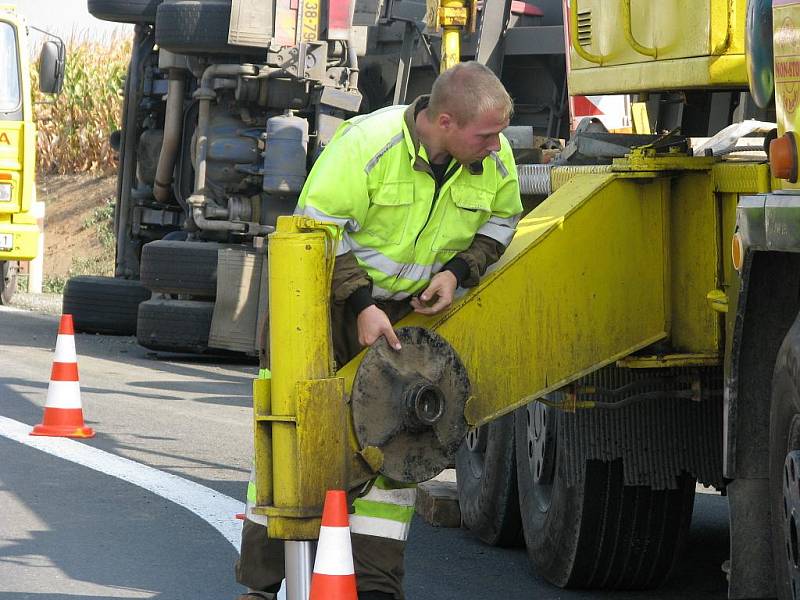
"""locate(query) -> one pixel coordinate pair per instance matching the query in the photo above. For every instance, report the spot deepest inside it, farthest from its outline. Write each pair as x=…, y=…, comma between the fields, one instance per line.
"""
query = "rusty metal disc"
x=410, y=404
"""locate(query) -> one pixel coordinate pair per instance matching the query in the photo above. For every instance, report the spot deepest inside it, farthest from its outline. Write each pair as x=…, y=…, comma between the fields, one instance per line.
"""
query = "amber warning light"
x=783, y=157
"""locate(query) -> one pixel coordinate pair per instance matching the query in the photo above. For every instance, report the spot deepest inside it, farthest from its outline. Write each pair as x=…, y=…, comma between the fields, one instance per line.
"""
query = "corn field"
x=74, y=126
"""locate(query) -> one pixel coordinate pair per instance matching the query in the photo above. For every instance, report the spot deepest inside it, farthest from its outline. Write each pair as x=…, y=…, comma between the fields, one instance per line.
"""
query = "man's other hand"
x=372, y=324
x=442, y=287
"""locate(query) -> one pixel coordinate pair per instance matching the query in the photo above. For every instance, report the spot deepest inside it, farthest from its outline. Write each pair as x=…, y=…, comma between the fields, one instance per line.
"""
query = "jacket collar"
x=415, y=149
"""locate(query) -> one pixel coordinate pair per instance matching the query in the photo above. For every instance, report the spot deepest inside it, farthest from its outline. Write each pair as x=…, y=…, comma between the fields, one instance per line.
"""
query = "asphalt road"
x=68, y=531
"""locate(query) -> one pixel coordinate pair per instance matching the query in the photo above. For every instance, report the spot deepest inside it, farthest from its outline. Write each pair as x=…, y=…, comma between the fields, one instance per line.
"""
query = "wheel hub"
x=541, y=443
x=475, y=442
x=791, y=518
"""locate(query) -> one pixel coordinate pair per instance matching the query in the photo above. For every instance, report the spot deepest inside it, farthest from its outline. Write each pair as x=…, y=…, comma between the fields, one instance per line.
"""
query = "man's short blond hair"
x=468, y=90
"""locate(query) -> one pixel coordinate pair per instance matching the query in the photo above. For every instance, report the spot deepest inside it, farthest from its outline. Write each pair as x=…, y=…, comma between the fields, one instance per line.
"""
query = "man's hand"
x=442, y=287
x=372, y=324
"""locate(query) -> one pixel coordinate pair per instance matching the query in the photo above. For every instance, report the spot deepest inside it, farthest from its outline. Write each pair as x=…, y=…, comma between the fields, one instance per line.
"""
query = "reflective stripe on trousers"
x=385, y=510
x=251, y=500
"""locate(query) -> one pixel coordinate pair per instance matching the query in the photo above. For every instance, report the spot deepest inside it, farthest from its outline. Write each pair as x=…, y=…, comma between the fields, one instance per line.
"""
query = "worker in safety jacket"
x=426, y=197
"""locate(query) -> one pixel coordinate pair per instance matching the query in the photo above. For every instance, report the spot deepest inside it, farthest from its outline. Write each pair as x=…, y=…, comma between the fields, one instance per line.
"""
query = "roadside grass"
x=102, y=220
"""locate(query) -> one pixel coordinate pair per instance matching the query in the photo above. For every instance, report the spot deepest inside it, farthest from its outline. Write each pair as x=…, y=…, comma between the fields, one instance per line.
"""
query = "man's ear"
x=445, y=121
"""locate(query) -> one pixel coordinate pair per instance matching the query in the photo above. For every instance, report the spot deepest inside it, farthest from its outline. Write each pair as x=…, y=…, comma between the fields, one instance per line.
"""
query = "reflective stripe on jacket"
x=385, y=510
x=399, y=229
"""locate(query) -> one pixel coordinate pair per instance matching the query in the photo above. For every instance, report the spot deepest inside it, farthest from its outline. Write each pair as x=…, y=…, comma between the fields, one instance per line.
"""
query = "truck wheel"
x=197, y=27
x=599, y=534
x=784, y=465
x=103, y=304
x=8, y=281
x=124, y=11
x=486, y=475
x=176, y=267
x=175, y=325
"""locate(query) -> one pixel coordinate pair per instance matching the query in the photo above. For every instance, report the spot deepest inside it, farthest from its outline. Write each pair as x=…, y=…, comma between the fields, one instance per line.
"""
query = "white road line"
x=213, y=507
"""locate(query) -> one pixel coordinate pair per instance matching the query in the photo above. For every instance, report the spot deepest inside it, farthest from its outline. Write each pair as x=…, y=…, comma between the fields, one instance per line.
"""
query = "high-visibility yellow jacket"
x=374, y=181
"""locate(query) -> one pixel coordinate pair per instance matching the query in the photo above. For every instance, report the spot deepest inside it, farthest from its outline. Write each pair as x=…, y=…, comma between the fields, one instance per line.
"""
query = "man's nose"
x=494, y=145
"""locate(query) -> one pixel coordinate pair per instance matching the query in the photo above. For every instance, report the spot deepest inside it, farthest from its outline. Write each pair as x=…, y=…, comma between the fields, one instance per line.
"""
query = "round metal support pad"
x=410, y=404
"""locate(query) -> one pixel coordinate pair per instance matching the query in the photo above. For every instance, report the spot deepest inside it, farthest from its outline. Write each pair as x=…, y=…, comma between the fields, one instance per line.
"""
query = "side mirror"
x=51, y=67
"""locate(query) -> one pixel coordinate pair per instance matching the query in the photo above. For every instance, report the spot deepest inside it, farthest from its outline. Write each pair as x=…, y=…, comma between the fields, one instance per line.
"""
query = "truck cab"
x=19, y=233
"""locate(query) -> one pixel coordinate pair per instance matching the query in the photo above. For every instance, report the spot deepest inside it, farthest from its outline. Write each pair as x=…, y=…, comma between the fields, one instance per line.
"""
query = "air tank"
x=285, y=154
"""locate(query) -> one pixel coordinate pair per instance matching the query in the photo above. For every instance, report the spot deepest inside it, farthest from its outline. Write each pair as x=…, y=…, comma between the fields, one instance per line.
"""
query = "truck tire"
x=197, y=27
x=175, y=325
x=599, y=534
x=124, y=11
x=103, y=304
x=784, y=465
x=486, y=476
x=176, y=267
x=8, y=281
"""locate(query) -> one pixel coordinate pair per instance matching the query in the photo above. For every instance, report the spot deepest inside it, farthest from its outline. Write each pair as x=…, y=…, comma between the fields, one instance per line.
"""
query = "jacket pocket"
x=466, y=210
x=389, y=211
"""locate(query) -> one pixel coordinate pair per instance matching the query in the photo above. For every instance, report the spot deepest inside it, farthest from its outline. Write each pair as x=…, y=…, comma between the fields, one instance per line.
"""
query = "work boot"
x=257, y=596
x=373, y=595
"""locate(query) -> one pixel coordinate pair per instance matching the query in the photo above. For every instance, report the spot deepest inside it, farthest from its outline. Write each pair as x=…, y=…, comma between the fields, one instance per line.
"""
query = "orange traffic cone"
x=63, y=415
x=334, y=577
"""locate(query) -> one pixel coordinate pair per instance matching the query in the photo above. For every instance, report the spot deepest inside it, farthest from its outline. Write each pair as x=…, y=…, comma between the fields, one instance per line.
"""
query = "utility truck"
x=19, y=232
x=639, y=335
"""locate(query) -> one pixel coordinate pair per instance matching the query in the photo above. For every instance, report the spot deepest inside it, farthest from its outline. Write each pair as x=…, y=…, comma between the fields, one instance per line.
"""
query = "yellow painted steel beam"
x=584, y=283
x=661, y=361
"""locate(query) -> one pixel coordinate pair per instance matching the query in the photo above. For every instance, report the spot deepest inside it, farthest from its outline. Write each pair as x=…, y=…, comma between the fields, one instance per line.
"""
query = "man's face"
x=475, y=140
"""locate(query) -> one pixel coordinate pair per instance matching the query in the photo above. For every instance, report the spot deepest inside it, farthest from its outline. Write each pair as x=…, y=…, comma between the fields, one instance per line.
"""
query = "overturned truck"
x=226, y=105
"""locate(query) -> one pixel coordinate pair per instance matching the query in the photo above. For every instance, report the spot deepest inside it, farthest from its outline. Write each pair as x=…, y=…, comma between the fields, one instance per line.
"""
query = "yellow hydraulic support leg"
x=300, y=413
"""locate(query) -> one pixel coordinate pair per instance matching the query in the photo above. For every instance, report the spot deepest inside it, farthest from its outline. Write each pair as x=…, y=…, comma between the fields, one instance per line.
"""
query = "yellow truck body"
x=19, y=234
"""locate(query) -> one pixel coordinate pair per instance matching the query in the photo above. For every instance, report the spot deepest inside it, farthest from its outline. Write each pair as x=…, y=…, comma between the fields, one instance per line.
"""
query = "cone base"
x=333, y=587
x=62, y=431
x=63, y=422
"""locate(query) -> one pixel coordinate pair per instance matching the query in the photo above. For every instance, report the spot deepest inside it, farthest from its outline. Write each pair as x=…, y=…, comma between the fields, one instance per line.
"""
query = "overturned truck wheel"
x=784, y=465
x=175, y=267
x=106, y=305
x=486, y=475
x=600, y=533
x=174, y=325
x=8, y=281
x=124, y=11
x=197, y=27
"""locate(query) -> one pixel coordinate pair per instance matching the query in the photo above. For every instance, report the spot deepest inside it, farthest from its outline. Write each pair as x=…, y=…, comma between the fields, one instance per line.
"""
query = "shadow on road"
x=69, y=529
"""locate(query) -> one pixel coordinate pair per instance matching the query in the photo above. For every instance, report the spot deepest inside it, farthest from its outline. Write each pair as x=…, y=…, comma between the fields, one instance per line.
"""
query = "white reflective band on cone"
x=65, y=349
x=335, y=556
x=63, y=394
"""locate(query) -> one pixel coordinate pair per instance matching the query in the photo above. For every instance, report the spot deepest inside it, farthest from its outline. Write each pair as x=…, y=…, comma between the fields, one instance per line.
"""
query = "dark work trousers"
x=378, y=561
